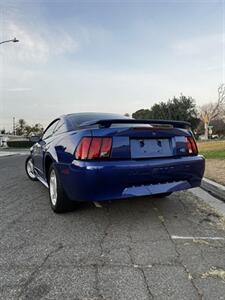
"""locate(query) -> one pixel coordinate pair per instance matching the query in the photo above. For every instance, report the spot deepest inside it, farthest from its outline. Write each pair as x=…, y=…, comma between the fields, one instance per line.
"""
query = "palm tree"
x=20, y=128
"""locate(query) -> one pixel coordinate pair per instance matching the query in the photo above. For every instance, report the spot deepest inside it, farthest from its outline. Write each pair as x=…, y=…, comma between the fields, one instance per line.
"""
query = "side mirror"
x=35, y=138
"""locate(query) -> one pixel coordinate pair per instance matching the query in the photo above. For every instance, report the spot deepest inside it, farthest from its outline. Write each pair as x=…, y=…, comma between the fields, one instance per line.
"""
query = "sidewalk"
x=13, y=151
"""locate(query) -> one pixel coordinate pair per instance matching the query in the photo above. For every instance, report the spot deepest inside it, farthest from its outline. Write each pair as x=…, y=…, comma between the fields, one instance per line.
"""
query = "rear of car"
x=117, y=158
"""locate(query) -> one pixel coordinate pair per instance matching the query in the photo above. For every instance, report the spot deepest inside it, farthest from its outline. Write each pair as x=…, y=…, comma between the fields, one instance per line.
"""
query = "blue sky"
x=116, y=56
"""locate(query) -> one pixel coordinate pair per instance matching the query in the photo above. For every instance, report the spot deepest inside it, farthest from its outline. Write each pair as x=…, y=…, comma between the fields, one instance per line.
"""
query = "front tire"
x=58, y=199
x=29, y=168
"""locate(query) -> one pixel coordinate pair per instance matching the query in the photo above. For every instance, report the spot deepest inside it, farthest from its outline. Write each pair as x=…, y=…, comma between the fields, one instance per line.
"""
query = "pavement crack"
x=200, y=295
x=105, y=233
x=130, y=250
x=97, y=282
x=190, y=277
x=36, y=271
x=150, y=295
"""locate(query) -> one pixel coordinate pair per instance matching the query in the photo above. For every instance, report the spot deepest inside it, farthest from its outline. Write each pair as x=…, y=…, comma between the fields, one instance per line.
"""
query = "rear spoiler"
x=106, y=123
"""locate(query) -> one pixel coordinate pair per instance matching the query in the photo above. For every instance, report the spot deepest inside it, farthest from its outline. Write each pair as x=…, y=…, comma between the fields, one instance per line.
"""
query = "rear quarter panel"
x=63, y=147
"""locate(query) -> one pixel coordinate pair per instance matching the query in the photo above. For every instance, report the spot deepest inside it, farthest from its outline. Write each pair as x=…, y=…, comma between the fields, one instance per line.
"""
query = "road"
x=125, y=250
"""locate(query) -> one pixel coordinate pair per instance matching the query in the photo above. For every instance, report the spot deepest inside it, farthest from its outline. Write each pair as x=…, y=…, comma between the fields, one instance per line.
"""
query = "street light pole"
x=12, y=40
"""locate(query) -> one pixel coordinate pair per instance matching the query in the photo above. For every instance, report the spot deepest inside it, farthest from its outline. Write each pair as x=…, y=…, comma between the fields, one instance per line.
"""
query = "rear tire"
x=29, y=168
x=58, y=199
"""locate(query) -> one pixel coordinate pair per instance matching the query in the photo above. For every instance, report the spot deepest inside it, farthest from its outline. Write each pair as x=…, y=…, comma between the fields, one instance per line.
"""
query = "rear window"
x=130, y=125
x=76, y=119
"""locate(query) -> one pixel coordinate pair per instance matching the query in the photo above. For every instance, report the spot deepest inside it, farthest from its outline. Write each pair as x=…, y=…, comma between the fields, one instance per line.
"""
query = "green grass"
x=219, y=154
x=212, y=149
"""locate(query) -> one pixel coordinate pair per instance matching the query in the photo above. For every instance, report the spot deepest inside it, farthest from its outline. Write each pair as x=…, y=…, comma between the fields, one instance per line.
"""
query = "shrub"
x=20, y=144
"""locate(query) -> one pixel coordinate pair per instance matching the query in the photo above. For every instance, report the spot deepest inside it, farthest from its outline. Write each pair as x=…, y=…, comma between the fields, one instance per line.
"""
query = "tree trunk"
x=206, y=124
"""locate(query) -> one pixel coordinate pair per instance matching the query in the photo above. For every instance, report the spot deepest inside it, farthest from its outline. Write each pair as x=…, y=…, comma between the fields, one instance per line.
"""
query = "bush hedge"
x=20, y=144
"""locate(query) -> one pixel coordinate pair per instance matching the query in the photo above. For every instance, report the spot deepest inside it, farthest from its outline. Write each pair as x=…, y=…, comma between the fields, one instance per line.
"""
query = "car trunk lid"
x=145, y=142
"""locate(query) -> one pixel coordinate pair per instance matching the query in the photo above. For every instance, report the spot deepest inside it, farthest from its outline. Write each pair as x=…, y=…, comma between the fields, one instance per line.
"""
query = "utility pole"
x=14, y=126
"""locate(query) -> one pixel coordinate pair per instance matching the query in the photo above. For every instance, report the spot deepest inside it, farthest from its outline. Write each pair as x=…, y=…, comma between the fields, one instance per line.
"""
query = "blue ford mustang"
x=100, y=156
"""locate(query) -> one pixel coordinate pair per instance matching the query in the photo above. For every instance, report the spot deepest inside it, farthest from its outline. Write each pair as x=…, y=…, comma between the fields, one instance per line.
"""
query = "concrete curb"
x=213, y=188
x=215, y=203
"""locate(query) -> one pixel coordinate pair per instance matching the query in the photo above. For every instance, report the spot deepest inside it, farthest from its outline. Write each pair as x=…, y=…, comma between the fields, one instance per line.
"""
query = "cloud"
x=18, y=89
x=99, y=89
x=200, y=45
x=37, y=44
x=215, y=67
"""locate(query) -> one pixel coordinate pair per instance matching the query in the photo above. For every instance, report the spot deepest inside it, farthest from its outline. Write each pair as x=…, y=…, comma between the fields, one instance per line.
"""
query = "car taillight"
x=94, y=151
x=191, y=146
x=94, y=148
x=83, y=148
x=106, y=147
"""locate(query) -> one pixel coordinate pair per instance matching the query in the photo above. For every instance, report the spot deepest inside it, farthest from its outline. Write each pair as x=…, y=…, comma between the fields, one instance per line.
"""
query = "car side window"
x=60, y=128
x=49, y=132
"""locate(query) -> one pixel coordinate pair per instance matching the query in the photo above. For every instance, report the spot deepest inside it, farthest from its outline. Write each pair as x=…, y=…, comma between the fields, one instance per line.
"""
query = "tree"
x=142, y=114
x=3, y=131
x=218, y=126
x=37, y=129
x=212, y=111
x=20, y=127
x=23, y=128
x=181, y=109
x=28, y=130
x=126, y=115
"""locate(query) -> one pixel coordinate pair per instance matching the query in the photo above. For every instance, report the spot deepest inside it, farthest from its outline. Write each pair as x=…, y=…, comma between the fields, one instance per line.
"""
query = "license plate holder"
x=150, y=148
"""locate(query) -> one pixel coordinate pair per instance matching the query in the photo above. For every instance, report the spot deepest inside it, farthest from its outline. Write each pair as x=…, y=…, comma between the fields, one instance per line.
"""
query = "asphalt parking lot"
x=146, y=248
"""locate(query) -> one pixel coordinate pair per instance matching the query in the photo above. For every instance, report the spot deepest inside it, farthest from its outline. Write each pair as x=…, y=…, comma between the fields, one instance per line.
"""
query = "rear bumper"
x=97, y=181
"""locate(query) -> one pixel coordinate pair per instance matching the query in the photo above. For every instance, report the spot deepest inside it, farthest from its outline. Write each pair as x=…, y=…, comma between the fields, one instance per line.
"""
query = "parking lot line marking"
x=97, y=204
x=176, y=237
